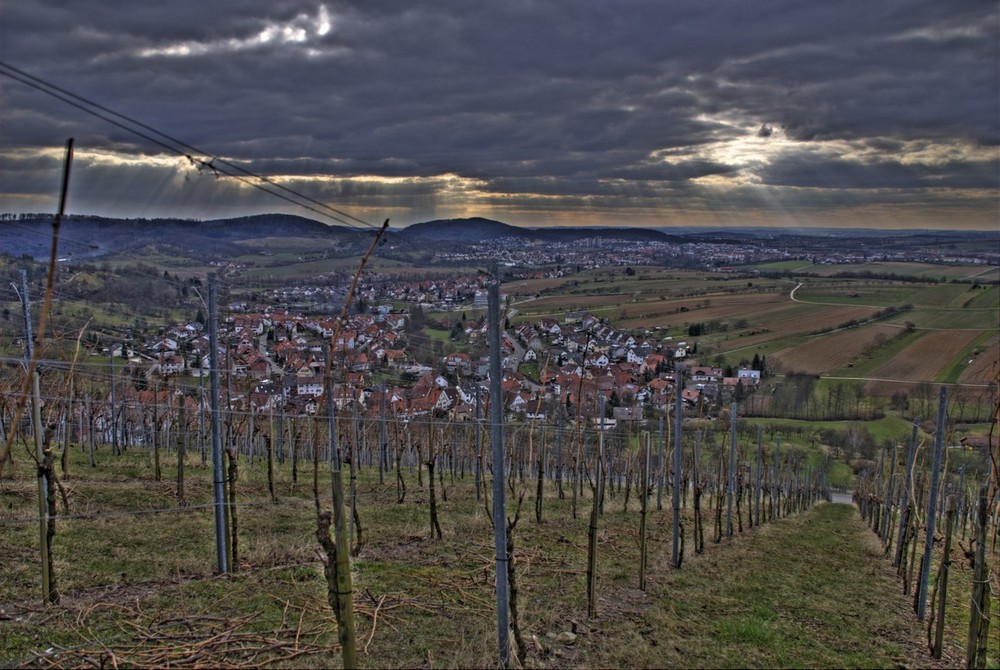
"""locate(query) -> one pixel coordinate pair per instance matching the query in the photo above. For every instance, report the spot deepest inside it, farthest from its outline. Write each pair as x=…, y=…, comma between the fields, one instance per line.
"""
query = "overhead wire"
x=174, y=145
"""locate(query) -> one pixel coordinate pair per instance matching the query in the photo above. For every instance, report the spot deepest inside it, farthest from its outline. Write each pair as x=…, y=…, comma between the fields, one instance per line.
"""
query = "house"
x=705, y=374
x=752, y=376
x=346, y=339
x=263, y=401
x=627, y=414
x=652, y=363
x=168, y=364
x=600, y=361
x=357, y=361
x=395, y=321
x=551, y=327
x=633, y=356
x=394, y=358
x=301, y=405
x=164, y=344
x=259, y=368
x=457, y=361
x=463, y=412
x=307, y=384
x=660, y=384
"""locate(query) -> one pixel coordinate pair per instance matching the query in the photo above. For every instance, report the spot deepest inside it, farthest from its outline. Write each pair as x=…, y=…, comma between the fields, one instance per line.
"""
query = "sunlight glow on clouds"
x=296, y=31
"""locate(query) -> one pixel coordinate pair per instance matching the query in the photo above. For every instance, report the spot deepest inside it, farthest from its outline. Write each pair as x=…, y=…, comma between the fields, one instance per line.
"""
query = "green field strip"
x=941, y=295
x=951, y=372
x=951, y=319
x=865, y=364
x=985, y=297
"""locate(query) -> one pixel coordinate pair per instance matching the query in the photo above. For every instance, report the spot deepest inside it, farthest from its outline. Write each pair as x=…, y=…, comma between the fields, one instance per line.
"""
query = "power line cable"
x=182, y=148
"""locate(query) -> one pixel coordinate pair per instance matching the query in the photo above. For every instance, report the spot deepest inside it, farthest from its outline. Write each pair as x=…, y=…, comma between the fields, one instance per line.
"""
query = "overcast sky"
x=584, y=112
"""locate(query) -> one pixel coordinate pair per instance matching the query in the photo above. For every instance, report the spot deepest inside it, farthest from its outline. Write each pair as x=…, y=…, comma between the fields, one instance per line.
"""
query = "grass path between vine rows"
x=810, y=591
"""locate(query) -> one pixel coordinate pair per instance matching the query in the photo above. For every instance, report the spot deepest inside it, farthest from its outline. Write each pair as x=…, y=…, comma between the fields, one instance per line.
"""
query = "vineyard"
x=190, y=519
x=174, y=522
x=626, y=545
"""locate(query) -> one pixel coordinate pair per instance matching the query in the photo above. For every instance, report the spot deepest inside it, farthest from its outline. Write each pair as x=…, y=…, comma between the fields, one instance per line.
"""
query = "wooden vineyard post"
x=886, y=529
x=676, y=556
x=559, y=459
x=731, y=471
x=269, y=440
x=479, y=446
x=775, y=487
x=337, y=566
x=592, y=549
x=941, y=583
x=925, y=565
x=499, y=494
x=356, y=534
x=539, y=488
x=221, y=548
x=68, y=429
x=757, y=477
x=383, y=438
x=49, y=594
x=154, y=431
x=659, y=470
x=36, y=429
x=904, y=505
x=644, y=499
x=431, y=461
x=181, y=450
x=699, y=530
x=979, y=606
x=337, y=559
x=592, y=528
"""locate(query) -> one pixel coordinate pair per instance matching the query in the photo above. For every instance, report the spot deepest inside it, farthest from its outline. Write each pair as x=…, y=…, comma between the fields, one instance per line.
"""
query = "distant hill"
x=91, y=236
x=84, y=236
x=461, y=230
x=479, y=229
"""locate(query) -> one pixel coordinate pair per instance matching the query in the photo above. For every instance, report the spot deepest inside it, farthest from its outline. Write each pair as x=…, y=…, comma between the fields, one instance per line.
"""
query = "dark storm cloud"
x=590, y=104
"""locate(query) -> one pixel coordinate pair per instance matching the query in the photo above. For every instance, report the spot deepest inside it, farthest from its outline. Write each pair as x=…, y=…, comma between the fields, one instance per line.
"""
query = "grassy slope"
x=759, y=604
x=805, y=591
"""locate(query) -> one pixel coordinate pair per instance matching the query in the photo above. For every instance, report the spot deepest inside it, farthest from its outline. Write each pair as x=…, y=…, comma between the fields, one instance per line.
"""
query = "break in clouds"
x=638, y=113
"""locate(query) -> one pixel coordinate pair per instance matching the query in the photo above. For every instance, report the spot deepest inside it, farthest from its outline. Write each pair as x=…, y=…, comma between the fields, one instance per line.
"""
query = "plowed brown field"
x=828, y=352
x=925, y=358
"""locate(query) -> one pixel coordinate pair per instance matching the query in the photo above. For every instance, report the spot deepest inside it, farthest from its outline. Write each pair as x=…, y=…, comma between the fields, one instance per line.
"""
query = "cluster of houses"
x=517, y=252
x=277, y=359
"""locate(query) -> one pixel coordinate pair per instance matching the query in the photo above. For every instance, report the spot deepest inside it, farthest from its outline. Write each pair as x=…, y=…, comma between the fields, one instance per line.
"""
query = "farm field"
x=290, y=268
x=586, y=302
x=928, y=270
x=761, y=317
x=847, y=292
x=926, y=358
x=983, y=368
x=823, y=353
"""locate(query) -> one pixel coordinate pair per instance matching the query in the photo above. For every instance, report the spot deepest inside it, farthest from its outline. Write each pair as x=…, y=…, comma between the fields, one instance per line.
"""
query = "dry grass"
x=138, y=590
